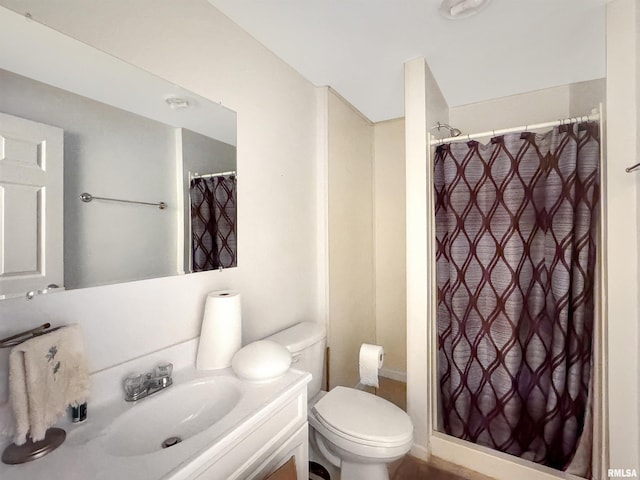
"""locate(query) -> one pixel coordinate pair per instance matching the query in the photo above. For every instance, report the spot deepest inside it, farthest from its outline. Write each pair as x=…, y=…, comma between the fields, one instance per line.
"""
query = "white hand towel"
x=46, y=374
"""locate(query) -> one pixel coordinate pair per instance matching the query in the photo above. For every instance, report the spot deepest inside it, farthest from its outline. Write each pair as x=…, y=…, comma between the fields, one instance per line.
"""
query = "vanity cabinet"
x=269, y=444
x=265, y=426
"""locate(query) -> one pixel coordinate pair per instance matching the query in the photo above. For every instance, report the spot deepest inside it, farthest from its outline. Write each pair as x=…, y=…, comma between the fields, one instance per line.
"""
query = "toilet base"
x=351, y=466
x=364, y=471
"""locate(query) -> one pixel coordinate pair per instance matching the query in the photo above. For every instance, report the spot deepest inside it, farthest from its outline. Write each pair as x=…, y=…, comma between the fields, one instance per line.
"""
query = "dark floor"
x=410, y=468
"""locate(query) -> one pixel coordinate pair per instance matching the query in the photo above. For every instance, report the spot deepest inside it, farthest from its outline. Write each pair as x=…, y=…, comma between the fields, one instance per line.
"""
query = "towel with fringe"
x=47, y=373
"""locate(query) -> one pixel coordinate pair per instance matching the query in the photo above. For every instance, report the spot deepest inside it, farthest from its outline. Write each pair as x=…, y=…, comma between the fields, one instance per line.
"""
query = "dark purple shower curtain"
x=515, y=228
x=213, y=222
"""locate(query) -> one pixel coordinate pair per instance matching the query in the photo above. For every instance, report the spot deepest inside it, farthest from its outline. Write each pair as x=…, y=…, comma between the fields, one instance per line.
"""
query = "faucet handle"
x=164, y=369
x=134, y=385
x=163, y=375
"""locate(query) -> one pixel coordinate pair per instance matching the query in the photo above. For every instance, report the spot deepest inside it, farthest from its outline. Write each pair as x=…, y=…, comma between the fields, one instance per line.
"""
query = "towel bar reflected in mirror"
x=87, y=197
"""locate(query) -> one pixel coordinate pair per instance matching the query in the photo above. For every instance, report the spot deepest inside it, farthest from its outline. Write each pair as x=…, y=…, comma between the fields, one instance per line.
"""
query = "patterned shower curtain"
x=516, y=229
x=213, y=222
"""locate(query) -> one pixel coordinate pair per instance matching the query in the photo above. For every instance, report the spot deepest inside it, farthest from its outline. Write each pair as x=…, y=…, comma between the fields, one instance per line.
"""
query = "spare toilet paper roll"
x=221, y=333
x=370, y=362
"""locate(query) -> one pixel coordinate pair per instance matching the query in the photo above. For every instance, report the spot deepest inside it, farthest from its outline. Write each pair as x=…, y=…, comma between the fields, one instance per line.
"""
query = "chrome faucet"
x=137, y=387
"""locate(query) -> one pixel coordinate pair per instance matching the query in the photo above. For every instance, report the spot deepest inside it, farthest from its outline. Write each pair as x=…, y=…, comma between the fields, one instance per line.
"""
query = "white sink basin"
x=180, y=411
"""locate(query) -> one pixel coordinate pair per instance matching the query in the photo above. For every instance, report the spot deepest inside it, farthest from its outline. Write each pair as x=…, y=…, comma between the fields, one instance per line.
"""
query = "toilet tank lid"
x=300, y=336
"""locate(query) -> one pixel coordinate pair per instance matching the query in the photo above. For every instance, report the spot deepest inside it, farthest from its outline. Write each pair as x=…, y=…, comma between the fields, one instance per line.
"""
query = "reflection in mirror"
x=155, y=143
x=213, y=200
x=210, y=203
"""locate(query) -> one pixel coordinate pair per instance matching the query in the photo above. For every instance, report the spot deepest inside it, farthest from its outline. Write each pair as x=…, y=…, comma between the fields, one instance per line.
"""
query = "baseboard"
x=397, y=375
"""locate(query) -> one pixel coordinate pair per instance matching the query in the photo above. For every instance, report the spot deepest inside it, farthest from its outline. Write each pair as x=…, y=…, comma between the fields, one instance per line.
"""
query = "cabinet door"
x=296, y=446
x=31, y=218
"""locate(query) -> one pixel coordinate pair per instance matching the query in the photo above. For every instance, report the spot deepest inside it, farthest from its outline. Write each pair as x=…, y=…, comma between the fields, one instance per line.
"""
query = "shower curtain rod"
x=493, y=133
x=207, y=175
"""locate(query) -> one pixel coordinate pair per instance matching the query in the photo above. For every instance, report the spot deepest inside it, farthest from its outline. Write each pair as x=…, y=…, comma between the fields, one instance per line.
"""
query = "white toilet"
x=354, y=430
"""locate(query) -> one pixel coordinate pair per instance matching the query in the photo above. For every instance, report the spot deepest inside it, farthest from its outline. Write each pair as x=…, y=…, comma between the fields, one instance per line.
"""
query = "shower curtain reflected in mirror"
x=213, y=222
x=515, y=262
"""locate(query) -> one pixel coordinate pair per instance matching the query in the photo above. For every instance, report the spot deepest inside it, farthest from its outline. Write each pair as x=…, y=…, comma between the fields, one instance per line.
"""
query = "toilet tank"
x=306, y=341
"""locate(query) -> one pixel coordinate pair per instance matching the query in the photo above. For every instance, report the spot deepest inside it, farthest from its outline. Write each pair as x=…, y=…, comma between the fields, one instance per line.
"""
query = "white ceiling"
x=359, y=46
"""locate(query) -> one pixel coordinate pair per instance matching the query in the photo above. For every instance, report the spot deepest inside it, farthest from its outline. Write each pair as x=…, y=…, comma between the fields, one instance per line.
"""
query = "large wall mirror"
x=108, y=173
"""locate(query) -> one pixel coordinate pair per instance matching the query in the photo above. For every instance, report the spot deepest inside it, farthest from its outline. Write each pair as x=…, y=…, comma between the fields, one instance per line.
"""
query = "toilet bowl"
x=359, y=432
x=355, y=431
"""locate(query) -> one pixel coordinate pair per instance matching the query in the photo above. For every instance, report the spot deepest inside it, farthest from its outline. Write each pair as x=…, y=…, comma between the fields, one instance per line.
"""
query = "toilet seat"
x=363, y=418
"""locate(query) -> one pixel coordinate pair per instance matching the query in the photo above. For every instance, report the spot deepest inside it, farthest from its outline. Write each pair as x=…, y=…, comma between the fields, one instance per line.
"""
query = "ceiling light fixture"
x=457, y=9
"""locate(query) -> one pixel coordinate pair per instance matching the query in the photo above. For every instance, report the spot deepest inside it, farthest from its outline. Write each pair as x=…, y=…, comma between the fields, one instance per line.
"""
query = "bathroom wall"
x=193, y=45
x=390, y=246
x=364, y=171
x=528, y=108
x=351, y=238
x=583, y=95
